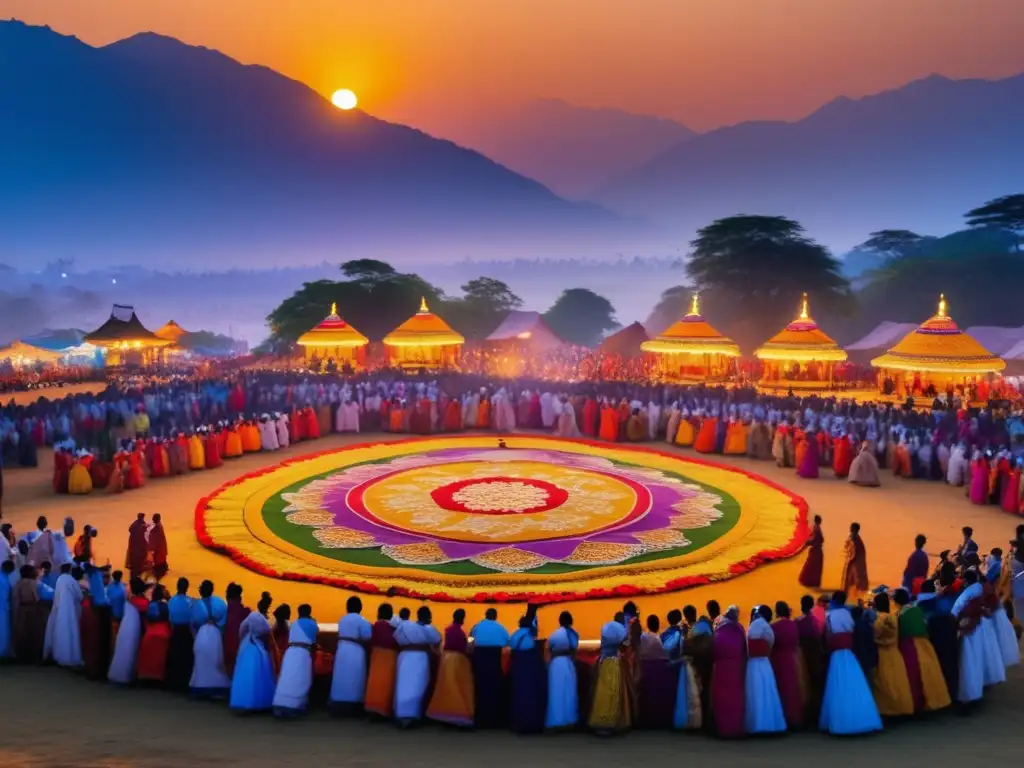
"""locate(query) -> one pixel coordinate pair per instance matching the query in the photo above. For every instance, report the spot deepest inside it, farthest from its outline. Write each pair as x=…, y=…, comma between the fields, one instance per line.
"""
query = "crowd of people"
x=844, y=665
x=135, y=429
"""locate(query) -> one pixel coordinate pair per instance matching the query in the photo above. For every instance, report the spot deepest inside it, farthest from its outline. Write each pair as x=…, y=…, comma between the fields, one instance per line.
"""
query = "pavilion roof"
x=171, y=331
x=801, y=340
x=332, y=331
x=424, y=329
x=693, y=335
x=124, y=329
x=939, y=346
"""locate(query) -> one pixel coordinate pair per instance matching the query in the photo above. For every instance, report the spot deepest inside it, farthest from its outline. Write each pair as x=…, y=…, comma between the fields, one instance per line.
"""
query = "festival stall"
x=126, y=341
x=334, y=339
x=937, y=358
x=692, y=350
x=800, y=357
x=423, y=341
x=21, y=355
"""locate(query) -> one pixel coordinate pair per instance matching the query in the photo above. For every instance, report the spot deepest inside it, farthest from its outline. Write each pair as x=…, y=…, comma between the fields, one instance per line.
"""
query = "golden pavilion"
x=126, y=341
x=423, y=341
x=334, y=339
x=171, y=331
x=935, y=357
x=692, y=350
x=800, y=356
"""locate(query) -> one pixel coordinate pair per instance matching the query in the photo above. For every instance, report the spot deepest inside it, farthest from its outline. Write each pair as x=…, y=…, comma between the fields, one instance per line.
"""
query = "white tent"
x=527, y=328
x=884, y=336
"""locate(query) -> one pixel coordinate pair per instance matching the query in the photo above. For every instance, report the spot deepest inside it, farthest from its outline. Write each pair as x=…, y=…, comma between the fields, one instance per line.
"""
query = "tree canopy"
x=673, y=304
x=1005, y=213
x=484, y=304
x=753, y=269
x=581, y=316
x=892, y=243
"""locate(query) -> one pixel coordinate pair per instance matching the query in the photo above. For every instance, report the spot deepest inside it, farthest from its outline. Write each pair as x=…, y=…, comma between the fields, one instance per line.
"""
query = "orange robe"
x=483, y=415
x=842, y=456
x=609, y=429
x=233, y=444
x=707, y=436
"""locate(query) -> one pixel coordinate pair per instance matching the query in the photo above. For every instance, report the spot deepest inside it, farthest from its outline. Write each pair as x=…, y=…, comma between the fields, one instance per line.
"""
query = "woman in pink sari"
x=786, y=665
x=979, y=480
x=808, y=468
x=728, y=677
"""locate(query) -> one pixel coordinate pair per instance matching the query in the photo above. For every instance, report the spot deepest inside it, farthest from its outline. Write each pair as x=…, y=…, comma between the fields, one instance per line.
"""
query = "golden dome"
x=424, y=329
x=333, y=332
x=692, y=335
x=801, y=340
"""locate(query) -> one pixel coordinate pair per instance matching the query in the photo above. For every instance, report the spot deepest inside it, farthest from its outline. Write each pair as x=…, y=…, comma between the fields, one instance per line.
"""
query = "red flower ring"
x=481, y=495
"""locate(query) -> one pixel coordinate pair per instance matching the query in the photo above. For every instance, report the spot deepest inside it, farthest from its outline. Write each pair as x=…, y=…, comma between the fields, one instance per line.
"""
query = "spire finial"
x=942, y=305
x=334, y=307
x=804, y=314
x=423, y=305
x=695, y=304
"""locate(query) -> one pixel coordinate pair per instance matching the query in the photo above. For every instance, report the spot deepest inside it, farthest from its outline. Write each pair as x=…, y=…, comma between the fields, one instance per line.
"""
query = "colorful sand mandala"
x=542, y=519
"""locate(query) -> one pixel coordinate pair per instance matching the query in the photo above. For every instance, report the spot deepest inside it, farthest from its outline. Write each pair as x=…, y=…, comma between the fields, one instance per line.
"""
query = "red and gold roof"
x=801, y=340
x=939, y=346
x=692, y=335
x=333, y=332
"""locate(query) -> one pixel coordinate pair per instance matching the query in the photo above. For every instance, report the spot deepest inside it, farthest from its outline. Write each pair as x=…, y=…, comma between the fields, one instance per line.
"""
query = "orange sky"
x=703, y=62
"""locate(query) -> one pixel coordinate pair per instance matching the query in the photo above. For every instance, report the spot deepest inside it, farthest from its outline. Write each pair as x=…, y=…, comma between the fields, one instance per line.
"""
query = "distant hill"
x=152, y=147
x=572, y=150
x=916, y=157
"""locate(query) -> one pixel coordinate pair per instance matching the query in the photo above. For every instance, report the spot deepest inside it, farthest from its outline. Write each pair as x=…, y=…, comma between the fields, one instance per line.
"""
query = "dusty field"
x=28, y=397
x=891, y=516
x=51, y=719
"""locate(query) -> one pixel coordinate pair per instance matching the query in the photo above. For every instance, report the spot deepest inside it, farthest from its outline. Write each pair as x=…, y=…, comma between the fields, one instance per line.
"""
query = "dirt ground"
x=50, y=718
x=890, y=517
x=29, y=396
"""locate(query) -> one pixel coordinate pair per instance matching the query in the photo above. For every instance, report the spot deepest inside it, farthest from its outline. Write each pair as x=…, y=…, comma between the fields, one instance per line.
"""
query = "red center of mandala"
x=499, y=496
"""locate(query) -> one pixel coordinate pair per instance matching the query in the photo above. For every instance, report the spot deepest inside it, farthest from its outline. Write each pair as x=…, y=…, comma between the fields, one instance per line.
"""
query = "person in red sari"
x=591, y=418
x=279, y=634
x=810, y=574
x=158, y=548
x=728, y=677
x=609, y=429
x=156, y=640
x=311, y=426
x=707, y=437
x=786, y=663
x=138, y=548
x=237, y=613
x=453, y=416
x=136, y=476
x=534, y=417
x=813, y=657
x=842, y=456
x=212, y=449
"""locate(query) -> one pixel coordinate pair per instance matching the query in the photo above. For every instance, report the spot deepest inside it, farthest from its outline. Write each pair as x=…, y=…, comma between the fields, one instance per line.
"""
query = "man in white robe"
x=281, y=427
x=412, y=677
x=348, y=417
x=63, y=641
x=567, y=426
x=763, y=704
x=61, y=550
x=348, y=686
x=291, y=698
x=268, y=434
x=653, y=420
x=547, y=413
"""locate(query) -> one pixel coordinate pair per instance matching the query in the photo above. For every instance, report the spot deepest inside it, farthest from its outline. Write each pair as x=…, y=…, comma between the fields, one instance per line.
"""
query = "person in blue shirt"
x=117, y=596
x=209, y=615
x=6, y=628
x=528, y=679
x=47, y=576
x=179, y=654
x=489, y=638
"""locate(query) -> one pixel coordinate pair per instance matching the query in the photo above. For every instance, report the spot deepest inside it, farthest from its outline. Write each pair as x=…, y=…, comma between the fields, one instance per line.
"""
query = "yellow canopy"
x=692, y=335
x=424, y=329
x=939, y=346
x=802, y=340
x=171, y=331
x=20, y=353
x=333, y=332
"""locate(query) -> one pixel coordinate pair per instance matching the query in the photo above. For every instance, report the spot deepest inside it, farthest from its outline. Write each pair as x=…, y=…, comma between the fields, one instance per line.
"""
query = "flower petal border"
x=221, y=526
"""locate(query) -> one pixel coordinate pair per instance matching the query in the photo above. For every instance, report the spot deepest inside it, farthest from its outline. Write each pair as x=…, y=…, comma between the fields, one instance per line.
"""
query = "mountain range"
x=148, y=147
x=572, y=150
x=917, y=157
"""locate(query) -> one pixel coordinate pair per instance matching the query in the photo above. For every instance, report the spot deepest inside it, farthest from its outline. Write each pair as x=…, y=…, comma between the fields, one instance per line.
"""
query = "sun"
x=344, y=99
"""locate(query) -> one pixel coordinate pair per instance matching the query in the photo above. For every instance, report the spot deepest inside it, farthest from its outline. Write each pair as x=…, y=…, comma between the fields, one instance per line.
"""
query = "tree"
x=375, y=300
x=1006, y=213
x=490, y=293
x=673, y=304
x=581, y=316
x=752, y=270
x=484, y=304
x=892, y=243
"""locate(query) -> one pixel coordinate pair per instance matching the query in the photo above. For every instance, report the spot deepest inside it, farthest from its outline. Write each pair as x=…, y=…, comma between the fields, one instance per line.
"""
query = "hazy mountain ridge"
x=572, y=150
x=915, y=157
x=153, y=145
